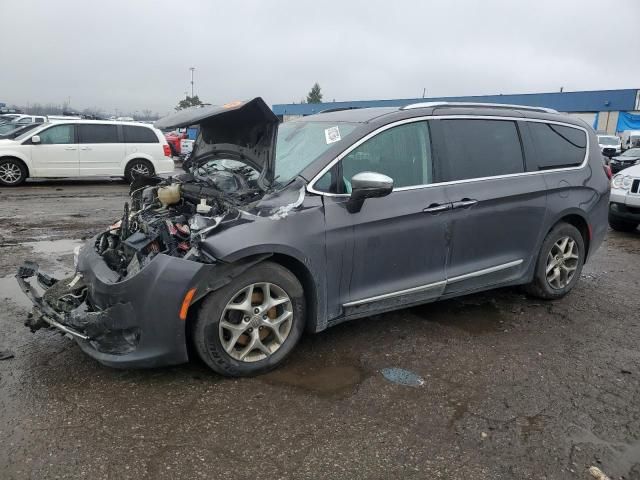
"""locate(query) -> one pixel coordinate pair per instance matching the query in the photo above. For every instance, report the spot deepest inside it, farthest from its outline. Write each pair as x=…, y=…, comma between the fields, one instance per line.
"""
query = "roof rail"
x=473, y=104
x=338, y=109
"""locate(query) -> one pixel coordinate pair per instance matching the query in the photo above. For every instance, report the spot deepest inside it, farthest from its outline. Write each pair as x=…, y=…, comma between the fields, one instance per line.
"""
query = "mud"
x=513, y=387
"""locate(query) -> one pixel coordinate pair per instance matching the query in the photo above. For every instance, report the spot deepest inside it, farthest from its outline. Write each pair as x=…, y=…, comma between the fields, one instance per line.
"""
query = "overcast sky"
x=135, y=55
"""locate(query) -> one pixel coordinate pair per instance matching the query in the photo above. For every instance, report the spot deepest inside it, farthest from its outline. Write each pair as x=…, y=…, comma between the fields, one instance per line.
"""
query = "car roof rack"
x=473, y=104
x=338, y=109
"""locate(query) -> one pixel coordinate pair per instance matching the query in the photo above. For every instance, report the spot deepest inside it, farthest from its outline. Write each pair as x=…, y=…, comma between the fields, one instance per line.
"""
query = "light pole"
x=192, y=69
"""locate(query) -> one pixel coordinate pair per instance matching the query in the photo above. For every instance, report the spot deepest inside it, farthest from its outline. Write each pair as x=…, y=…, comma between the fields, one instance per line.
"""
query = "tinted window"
x=480, y=148
x=98, y=134
x=39, y=120
x=134, y=134
x=402, y=153
x=60, y=134
x=558, y=146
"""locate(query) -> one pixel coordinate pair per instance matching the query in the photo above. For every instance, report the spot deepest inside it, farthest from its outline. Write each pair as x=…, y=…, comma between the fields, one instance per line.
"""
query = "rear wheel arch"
x=131, y=162
x=581, y=224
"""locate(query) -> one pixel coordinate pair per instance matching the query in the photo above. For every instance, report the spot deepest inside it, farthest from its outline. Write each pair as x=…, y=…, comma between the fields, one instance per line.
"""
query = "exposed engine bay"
x=173, y=215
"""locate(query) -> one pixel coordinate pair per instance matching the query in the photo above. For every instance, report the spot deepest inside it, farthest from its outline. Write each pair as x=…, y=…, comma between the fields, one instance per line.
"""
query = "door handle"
x=437, y=208
x=70, y=148
x=85, y=148
x=464, y=203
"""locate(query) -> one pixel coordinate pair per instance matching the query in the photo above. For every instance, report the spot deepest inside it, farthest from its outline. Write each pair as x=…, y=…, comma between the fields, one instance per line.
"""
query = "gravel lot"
x=513, y=387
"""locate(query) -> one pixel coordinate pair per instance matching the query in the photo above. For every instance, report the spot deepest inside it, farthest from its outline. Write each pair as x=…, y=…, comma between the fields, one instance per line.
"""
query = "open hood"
x=244, y=130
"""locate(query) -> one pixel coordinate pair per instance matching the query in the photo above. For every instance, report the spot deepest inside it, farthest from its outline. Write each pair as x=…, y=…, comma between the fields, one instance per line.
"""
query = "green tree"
x=315, y=95
x=189, y=102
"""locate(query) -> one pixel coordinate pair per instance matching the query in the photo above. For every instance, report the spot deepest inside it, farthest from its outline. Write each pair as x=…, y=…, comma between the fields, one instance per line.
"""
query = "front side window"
x=88, y=133
x=479, y=148
x=133, y=134
x=558, y=146
x=58, y=135
x=402, y=153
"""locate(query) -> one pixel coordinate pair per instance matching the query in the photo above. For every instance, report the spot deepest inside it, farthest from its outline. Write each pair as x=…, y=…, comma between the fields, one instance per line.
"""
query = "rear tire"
x=226, y=328
x=559, y=263
x=12, y=172
x=138, y=167
x=622, y=225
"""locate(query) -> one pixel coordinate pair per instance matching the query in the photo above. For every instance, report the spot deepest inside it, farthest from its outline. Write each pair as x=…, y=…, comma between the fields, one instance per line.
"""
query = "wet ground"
x=505, y=386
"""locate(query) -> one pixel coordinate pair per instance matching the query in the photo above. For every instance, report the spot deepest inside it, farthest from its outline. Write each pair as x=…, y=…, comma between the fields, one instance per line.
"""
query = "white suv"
x=82, y=148
x=624, y=202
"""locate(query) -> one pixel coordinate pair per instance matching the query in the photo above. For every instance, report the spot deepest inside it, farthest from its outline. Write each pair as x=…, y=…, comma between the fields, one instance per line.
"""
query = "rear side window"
x=133, y=134
x=557, y=146
x=98, y=133
x=479, y=148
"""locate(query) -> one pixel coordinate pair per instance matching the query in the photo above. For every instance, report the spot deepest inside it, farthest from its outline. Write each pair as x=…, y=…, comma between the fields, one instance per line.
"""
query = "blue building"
x=607, y=110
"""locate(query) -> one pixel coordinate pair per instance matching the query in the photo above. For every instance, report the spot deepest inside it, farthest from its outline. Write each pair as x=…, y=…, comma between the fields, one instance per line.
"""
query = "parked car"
x=80, y=148
x=24, y=119
x=627, y=159
x=610, y=145
x=11, y=130
x=348, y=214
x=630, y=139
x=624, y=206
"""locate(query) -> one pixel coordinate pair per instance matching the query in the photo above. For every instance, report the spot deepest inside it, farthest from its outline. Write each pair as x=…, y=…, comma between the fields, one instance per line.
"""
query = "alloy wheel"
x=562, y=262
x=10, y=173
x=256, y=322
x=140, y=169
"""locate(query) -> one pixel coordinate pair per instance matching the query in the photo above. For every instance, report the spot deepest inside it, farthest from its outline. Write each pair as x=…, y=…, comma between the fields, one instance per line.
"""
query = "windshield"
x=29, y=131
x=608, y=140
x=632, y=152
x=300, y=143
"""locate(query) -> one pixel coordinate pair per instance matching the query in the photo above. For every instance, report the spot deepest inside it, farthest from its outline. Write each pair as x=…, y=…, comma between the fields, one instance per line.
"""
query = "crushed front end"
x=126, y=303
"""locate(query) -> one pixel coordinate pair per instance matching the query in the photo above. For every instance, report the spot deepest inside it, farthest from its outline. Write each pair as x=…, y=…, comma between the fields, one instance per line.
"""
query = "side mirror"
x=367, y=185
x=35, y=139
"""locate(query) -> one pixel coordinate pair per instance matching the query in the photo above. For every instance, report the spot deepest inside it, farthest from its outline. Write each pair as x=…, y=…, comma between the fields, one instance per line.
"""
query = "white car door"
x=101, y=152
x=56, y=155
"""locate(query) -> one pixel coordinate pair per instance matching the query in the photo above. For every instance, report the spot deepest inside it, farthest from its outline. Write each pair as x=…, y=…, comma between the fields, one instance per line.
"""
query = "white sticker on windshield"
x=332, y=134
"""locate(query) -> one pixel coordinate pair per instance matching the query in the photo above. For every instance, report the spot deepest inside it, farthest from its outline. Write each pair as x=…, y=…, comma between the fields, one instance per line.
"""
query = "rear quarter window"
x=557, y=146
x=134, y=134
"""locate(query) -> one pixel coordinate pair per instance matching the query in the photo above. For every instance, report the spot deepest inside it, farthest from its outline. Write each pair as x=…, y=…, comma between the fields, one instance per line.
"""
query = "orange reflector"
x=185, y=303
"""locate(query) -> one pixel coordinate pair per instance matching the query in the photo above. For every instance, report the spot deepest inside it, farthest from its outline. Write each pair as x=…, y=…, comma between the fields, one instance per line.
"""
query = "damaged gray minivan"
x=275, y=229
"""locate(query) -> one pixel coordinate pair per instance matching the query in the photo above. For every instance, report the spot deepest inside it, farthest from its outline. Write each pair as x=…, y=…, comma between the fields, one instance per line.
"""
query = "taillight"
x=607, y=170
x=167, y=151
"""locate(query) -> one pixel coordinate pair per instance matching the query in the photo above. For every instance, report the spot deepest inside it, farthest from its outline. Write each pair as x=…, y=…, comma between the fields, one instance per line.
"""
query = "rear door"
x=57, y=153
x=100, y=150
x=393, y=251
x=498, y=210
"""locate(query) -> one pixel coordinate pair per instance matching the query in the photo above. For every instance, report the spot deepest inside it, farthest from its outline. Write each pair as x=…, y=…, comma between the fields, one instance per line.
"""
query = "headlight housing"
x=621, y=181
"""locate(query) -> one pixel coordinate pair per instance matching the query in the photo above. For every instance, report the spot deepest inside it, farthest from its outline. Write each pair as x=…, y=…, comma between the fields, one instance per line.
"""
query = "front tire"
x=559, y=263
x=250, y=326
x=12, y=172
x=138, y=167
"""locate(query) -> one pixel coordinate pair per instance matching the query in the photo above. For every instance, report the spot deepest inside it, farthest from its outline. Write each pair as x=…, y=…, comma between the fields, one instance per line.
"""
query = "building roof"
x=585, y=101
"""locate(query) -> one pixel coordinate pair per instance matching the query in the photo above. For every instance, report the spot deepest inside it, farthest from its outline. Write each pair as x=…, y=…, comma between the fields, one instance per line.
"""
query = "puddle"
x=9, y=290
x=473, y=318
x=624, y=455
x=402, y=377
x=330, y=380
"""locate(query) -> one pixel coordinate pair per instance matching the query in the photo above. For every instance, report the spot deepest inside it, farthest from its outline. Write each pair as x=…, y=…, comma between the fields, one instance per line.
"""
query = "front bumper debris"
x=43, y=314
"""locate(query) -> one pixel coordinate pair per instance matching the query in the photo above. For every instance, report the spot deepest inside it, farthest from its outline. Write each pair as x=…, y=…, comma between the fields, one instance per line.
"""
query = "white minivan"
x=84, y=148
